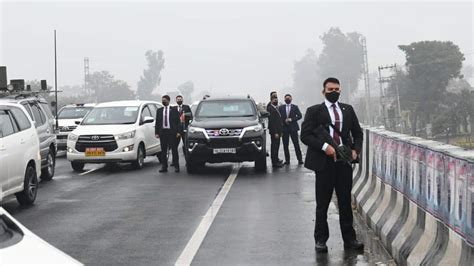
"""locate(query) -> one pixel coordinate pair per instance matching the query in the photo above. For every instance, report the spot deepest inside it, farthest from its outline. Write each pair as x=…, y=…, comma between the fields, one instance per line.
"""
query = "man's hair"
x=167, y=97
x=271, y=93
x=332, y=80
x=288, y=95
x=179, y=96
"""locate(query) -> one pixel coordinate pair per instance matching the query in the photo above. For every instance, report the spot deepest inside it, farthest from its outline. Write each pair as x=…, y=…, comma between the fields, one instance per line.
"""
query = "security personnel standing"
x=168, y=129
x=185, y=115
x=290, y=114
x=275, y=128
x=321, y=158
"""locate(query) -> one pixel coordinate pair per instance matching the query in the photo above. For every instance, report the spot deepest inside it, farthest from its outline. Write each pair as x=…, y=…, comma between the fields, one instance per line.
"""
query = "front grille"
x=61, y=136
x=67, y=128
x=229, y=132
x=96, y=141
x=220, y=142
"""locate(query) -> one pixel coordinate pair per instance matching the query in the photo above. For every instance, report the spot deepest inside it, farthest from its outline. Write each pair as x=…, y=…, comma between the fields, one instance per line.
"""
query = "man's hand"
x=276, y=135
x=157, y=136
x=331, y=152
x=354, y=155
x=178, y=135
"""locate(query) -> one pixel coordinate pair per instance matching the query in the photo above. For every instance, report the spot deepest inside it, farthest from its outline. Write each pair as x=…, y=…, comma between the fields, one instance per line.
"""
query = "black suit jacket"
x=275, y=125
x=317, y=115
x=295, y=115
x=175, y=123
x=188, y=114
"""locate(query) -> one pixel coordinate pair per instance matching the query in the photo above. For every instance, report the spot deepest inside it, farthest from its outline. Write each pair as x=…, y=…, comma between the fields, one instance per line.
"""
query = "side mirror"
x=264, y=114
x=148, y=119
x=77, y=122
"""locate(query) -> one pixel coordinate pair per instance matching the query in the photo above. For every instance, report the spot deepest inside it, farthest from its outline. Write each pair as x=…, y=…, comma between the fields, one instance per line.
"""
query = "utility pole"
x=383, y=98
x=56, y=81
x=86, y=76
x=366, y=81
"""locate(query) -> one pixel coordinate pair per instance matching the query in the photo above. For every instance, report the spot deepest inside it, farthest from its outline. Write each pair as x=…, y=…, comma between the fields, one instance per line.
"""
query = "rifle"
x=343, y=152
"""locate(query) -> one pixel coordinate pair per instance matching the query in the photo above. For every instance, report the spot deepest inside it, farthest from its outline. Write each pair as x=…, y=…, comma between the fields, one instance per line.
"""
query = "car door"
x=42, y=128
x=11, y=148
x=26, y=136
x=148, y=130
x=155, y=140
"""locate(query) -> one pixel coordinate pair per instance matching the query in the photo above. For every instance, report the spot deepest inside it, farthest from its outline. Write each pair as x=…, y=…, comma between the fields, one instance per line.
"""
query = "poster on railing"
x=440, y=185
x=421, y=177
x=460, y=195
x=469, y=227
x=398, y=177
x=450, y=191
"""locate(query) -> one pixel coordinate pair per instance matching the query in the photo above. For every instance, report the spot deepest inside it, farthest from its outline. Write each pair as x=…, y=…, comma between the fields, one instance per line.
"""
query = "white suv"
x=20, y=159
x=114, y=132
x=68, y=118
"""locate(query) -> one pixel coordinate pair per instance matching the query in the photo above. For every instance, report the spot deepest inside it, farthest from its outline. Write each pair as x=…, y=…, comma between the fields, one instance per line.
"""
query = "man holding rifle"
x=334, y=137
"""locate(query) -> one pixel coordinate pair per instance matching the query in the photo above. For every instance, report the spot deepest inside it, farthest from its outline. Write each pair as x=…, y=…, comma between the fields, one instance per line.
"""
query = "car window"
x=146, y=112
x=111, y=115
x=225, y=108
x=28, y=109
x=73, y=112
x=153, y=109
x=20, y=118
x=38, y=116
x=6, y=124
x=47, y=110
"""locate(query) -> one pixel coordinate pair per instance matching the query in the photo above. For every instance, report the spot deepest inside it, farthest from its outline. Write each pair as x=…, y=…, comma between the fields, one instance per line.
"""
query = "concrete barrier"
x=418, y=196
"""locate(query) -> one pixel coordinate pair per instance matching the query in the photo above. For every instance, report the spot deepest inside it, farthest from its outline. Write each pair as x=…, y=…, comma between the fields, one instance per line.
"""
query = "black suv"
x=227, y=130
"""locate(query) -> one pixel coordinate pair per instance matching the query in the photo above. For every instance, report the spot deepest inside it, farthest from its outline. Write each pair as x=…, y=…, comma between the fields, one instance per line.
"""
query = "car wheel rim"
x=50, y=164
x=141, y=158
x=32, y=184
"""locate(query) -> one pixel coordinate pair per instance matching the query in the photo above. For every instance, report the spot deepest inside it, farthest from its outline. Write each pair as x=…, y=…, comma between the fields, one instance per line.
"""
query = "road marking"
x=196, y=240
x=90, y=171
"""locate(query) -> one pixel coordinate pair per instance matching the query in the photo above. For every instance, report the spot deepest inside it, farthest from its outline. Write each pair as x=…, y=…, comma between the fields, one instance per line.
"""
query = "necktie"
x=288, y=110
x=166, y=117
x=337, y=124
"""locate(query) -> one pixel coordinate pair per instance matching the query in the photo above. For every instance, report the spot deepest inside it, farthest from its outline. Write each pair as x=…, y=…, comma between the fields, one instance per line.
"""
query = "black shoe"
x=300, y=162
x=320, y=247
x=163, y=170
x=172, y=164
x=287, y=162
x=277, y=165
x=354, y=244
x=280, y=161
x=176, y=170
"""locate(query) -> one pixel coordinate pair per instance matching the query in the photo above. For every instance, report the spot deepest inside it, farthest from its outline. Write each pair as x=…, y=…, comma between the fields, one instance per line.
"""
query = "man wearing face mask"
x=275, y=128
x=185, y=115
x=321, y=157
x=290, y=114
x=168, y=129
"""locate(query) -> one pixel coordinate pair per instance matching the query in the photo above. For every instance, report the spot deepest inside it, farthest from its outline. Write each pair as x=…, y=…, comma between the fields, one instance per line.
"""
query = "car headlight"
x=255, y=128
x=72, y=137
x=193, y=130
x=128, y=135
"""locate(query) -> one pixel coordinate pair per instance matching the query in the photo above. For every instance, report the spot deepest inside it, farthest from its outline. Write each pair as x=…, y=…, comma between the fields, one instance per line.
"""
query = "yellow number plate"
x=90, y=152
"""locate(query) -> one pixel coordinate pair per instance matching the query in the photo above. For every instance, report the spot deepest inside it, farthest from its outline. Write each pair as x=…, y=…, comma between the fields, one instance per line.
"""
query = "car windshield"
x=73, y=112
x=111, y=115
x=215, y=109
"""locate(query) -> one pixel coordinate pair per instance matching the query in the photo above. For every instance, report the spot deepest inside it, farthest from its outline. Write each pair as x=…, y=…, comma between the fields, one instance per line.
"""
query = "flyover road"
x=226, y=214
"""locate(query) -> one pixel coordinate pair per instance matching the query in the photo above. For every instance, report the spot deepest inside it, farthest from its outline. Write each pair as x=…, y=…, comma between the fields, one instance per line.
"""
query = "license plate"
x=226, y=150
x=90, y=152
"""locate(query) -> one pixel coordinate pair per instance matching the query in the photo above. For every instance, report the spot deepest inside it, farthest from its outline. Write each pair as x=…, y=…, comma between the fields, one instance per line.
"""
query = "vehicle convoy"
x=227, y=129
x=115, y=132
x=68, y=118
x=40, y=113
x=20, y=160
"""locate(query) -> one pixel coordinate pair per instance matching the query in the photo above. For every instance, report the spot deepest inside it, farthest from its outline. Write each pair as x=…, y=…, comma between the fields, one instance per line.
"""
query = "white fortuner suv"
x=114, y=132
x=20, y=159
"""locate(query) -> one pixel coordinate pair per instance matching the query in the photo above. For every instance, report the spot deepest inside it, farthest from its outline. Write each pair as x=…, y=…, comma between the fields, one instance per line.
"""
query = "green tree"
x=106, y=88
x=151, y=77
x=305, y=79
x=431, y=65
x=342, y=57
x=186, y=90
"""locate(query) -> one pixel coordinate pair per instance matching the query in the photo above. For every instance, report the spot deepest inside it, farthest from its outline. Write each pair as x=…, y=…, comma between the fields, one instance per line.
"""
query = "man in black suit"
x=168, y=129
x=321, y=157
x=275, y=128
x=290, y=114
x=185, y=115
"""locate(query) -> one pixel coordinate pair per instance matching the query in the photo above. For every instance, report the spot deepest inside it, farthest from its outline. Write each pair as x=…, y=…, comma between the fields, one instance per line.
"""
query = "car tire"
x=261, y=163
x=78, y=167
x=30, y=187
x=139, y=162
x=48, y=172
x=191, y=166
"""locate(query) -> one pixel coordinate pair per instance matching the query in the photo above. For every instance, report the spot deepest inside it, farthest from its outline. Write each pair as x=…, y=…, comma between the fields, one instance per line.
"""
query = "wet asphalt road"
x=121, y=216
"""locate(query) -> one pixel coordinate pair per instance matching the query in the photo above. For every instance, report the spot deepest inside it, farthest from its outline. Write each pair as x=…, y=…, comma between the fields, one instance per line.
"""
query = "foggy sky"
x=245, y=47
